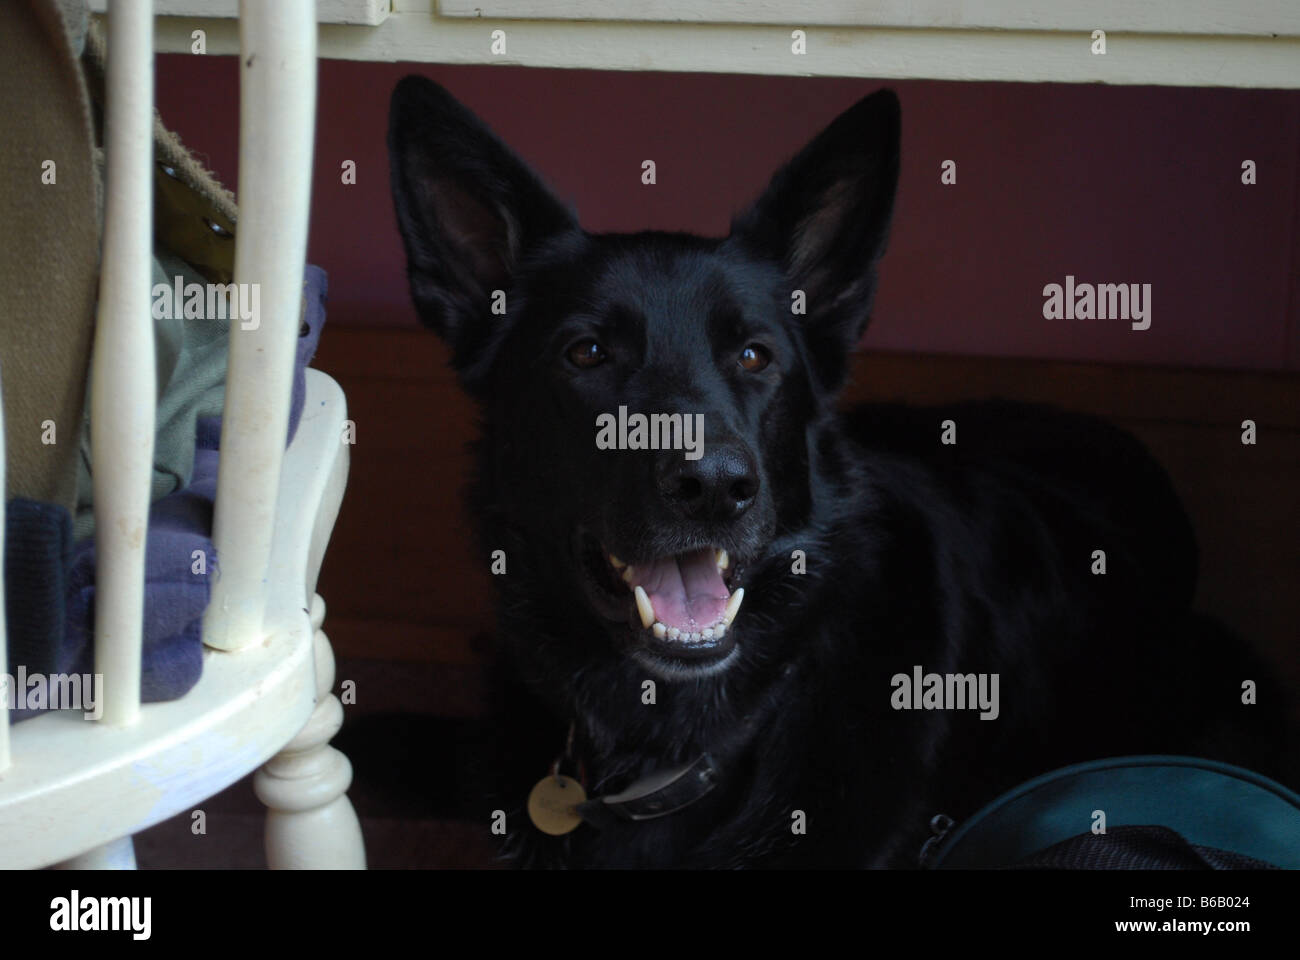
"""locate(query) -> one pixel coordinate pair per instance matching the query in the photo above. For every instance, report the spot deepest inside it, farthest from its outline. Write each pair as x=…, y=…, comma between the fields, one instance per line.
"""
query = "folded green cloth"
x=190, y=356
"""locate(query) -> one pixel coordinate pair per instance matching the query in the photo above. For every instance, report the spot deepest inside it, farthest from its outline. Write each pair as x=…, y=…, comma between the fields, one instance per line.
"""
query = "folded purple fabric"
x=179, y=556
x=179, y=560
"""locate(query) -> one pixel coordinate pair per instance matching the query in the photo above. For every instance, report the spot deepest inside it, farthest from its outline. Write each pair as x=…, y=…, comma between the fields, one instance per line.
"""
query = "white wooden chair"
x=73, y=791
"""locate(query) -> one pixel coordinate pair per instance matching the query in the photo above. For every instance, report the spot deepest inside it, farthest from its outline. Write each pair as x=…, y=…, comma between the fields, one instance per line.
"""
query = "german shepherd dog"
x=733, y=636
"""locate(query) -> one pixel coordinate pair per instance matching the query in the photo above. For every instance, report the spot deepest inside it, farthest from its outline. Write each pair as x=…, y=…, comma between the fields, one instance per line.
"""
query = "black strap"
x=657, y=795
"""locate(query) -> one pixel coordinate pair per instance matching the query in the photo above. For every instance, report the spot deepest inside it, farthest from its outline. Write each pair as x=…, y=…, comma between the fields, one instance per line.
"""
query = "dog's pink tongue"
x=687, y=592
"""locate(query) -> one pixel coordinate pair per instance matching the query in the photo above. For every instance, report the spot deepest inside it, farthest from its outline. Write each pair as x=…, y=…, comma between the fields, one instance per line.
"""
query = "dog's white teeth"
x=616, y=563
x=644, y=607
x=733, y=606
x=721, y=558
x=720, y=630
x=673, y=633
x=707, y=633
x=660, y=630
x=627, y=576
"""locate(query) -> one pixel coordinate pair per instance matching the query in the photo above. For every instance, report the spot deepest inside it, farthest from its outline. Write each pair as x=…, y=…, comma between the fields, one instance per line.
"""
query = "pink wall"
x=1110, y=184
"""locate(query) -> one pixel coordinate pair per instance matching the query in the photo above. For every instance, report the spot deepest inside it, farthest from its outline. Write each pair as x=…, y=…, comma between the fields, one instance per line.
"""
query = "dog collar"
x=661, y=793
x=656, y=795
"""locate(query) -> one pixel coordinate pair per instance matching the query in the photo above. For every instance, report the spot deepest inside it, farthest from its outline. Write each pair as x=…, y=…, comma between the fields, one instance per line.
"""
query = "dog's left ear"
x=469, y=211
x=825, y=218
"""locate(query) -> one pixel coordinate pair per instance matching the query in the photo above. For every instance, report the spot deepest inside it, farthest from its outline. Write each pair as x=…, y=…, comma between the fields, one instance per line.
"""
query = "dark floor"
x=410, y=739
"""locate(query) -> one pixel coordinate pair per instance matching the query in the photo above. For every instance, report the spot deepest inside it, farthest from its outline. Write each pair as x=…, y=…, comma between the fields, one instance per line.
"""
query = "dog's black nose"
x=721, y=485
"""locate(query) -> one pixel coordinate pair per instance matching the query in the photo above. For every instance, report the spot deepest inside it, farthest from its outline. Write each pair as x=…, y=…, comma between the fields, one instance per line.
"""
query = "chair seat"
x=75, y=784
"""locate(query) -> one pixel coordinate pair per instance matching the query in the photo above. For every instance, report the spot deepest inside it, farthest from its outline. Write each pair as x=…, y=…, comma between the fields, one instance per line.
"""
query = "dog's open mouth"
x=684, y=603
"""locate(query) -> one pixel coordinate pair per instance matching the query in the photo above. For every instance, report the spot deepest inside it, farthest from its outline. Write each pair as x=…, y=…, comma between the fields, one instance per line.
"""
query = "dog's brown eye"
x=587, y=353
x=754, y=358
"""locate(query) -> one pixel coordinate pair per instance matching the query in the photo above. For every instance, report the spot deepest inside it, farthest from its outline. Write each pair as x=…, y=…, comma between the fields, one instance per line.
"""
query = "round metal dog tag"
x=553, y=804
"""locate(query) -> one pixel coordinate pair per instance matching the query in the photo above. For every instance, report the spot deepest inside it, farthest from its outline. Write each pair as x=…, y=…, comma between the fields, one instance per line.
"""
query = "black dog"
x=865, y=547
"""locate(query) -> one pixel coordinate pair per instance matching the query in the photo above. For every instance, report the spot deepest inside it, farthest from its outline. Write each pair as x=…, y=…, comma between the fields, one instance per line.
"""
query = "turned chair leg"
x=310, y=823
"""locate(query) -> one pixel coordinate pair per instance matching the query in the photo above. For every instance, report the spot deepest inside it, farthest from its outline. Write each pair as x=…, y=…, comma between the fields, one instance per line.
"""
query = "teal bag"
x=1160, y=811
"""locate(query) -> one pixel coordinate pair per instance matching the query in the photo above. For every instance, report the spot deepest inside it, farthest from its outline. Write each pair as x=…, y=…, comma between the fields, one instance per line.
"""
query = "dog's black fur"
x=974, y=557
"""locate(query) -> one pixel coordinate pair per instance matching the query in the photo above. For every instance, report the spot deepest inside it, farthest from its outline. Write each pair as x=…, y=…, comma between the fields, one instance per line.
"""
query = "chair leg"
x=115, y=855
x=310, y=823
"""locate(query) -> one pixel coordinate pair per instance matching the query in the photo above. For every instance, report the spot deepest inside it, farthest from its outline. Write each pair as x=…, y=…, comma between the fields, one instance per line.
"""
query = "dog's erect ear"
x=825, y=218
x=468, y=208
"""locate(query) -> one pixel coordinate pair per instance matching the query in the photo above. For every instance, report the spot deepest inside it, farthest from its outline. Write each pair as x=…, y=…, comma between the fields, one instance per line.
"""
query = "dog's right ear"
x=825, y=218
x=469, y=210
